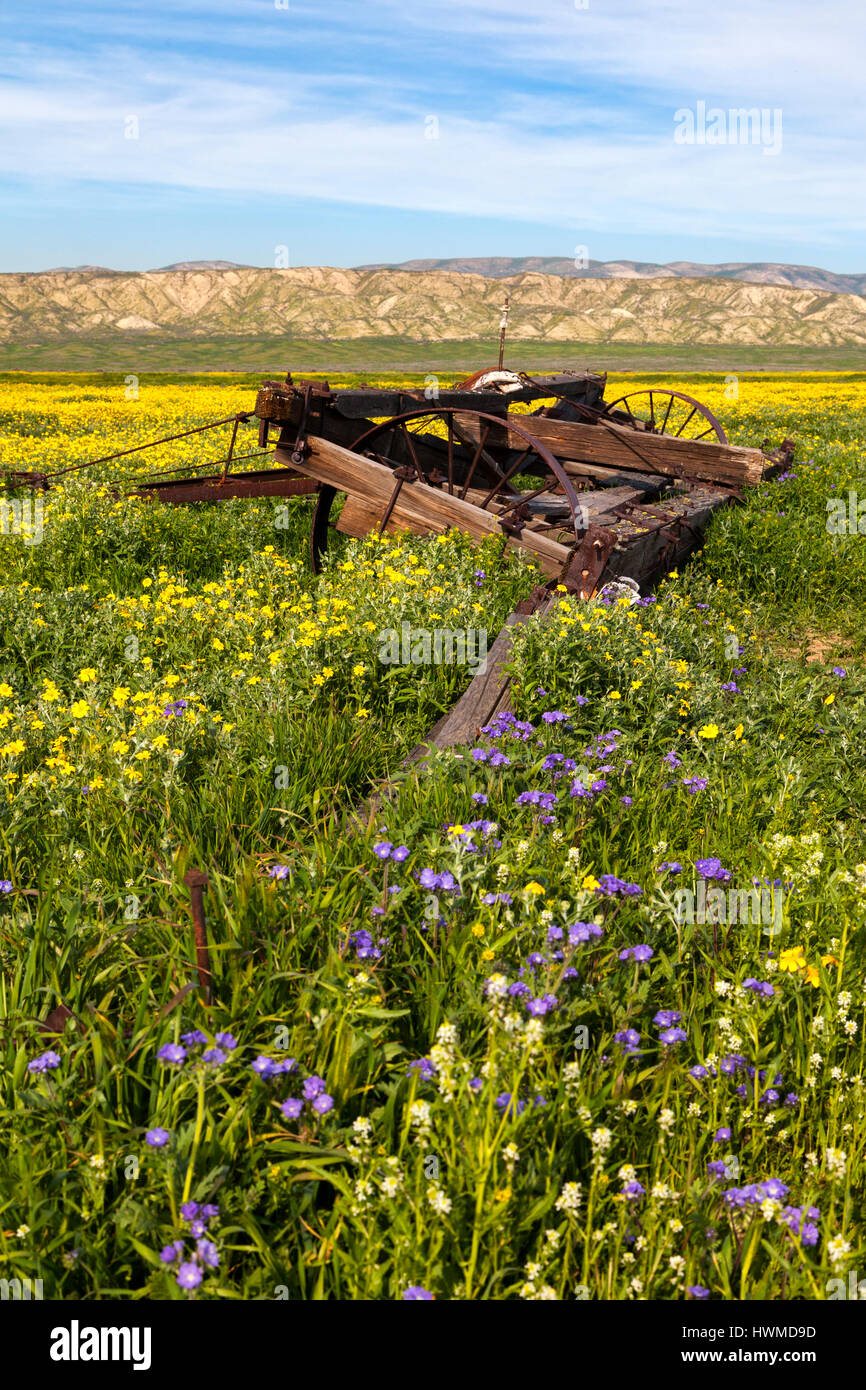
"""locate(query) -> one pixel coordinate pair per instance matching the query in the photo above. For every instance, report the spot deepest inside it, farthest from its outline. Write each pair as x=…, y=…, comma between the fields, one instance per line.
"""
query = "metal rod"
x=196, y=881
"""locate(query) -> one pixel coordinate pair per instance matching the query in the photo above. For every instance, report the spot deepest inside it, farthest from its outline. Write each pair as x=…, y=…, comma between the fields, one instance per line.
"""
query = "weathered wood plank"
x=372, y=484
x=616, y=446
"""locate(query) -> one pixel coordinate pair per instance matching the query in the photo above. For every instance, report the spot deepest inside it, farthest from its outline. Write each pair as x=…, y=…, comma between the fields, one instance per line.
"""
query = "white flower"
x=22, y=1232
x=836, y=1161
x=552, y=1238
x=511, y=1154
x=569, y=1197
x=723, y=987
x=497, y=986
x=390, y=1186
x=438, y=1200
x=667, y=1120
x=419, y=1113
x=850, y=1027
x=837, y=1249
x=675, y=1224
x=601, y=1140
x=627, y=1173
x=362, y=1127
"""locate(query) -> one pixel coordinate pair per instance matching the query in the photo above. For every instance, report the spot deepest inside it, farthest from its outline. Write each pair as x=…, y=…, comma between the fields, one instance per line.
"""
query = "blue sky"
x=309, y=126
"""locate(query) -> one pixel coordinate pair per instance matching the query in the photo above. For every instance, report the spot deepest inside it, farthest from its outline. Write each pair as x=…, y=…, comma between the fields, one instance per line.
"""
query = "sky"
x=138, y=133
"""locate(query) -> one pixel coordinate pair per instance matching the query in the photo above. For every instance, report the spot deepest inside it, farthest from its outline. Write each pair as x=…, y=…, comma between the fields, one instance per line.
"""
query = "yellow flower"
x=6, y=690
x=79, y=709
x=738, y=732
x=829, y=700
x=709, y=731
x=358, y=670
x=318, y=680
x=614, y=695
x=590, y=883
x=120, y=695
x=143, y=755
x=217, y=645
x=478, y=929
x=361, y=713
x=793, y=959
x=87, y=673
x=488, y=954
x=534, y=888
x=119, y=746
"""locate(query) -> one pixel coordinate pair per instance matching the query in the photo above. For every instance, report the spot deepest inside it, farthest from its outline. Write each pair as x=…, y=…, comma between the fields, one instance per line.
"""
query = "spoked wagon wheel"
x=466, y=454
x=659, y=411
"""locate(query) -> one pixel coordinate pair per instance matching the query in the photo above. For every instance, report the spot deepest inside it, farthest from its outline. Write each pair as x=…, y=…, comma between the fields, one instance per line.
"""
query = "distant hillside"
x=321, y=303
x=802, y=277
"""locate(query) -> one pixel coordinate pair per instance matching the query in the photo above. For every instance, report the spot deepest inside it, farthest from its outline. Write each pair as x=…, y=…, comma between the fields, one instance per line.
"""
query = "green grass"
x=153, y=353
x=423, y=1177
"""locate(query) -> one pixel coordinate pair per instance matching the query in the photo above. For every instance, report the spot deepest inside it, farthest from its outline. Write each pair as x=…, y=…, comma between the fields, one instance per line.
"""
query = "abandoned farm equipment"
x=591, y=490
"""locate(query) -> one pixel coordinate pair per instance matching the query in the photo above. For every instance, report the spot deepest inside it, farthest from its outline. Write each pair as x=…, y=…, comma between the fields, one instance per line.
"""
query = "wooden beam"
x=615, y=446
x=418, y=505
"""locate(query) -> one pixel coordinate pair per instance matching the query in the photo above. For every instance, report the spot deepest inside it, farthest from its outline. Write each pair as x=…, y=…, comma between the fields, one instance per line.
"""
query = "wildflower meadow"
x=575, y=1012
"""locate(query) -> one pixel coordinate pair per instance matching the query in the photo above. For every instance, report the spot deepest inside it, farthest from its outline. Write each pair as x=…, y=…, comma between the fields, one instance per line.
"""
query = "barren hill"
x=422, y=306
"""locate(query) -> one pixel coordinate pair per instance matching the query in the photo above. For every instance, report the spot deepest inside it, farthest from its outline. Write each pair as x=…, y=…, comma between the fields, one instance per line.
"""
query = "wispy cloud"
x=549, y=114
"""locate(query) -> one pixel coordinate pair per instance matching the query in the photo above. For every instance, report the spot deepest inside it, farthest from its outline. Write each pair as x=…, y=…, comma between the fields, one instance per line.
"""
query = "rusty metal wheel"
x=660, y=411
x=467, y=454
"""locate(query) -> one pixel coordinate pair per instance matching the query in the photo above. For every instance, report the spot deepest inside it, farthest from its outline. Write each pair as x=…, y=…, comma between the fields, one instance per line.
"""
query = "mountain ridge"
x=322, y=303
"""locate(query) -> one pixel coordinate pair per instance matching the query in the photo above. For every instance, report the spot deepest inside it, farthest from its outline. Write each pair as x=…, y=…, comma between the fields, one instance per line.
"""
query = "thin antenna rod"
x=503, y=329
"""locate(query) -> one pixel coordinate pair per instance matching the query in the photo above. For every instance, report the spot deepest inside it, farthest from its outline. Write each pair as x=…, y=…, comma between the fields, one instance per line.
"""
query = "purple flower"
x=157, y=1138
x=291, y=1108
x=46, y=1061
x=193, y=1039
x=712, y=868
x=759, y=987
x=382, y=849
x=266, y=1066
x=722, y=1135
x=415, y=1294
x=190, y=1210
x=214, y=1056
x=672, y=760
x=626, y=800
x=732, y=687
x=480, y=755
x=638, y=953
x=5, y=885
x=169, y=1253
x=279, y=871
x=666, y=1018
x=189, y=1276
x=633, y=1190
x=628, y=1039
x=313, y=1086
x=172, y=1053
x=693, y=785
x=424, y=1067
x=839, y=671
x=400, y=853
x=479, y=798
x=227, y=1041
x=698, y=1071
x=697, y=1291
x=323, y=1103
x=208, y=1253
x=554, y=716
x=673, y=1035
